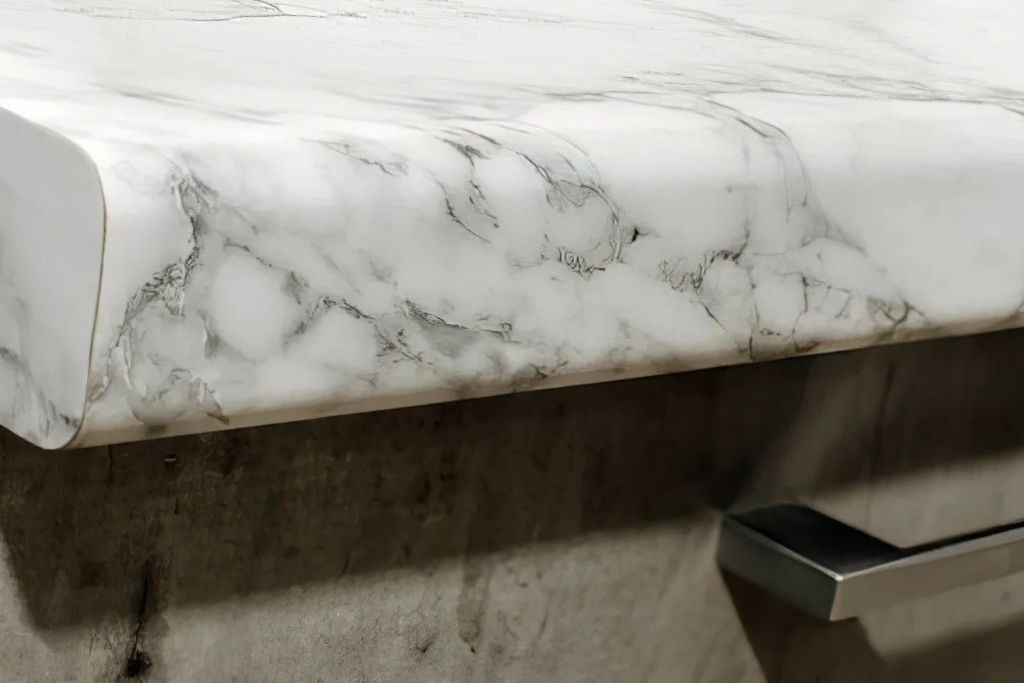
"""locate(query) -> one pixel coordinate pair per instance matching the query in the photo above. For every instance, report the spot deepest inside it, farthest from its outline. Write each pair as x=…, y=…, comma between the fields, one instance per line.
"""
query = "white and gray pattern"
x=349, y=205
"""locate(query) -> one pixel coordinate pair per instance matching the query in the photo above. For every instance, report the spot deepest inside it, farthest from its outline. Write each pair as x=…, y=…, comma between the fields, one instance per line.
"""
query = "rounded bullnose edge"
x=52, y=241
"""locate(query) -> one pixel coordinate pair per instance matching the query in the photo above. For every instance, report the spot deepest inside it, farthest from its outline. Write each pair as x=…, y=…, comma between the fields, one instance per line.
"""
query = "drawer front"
x=558, y=536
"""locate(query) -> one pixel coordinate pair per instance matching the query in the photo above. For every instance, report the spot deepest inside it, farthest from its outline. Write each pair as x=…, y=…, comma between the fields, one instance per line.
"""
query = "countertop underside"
x=223, y=214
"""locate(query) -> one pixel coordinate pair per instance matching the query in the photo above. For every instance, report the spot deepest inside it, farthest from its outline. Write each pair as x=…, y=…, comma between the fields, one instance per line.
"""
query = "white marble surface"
x=51, y=247
x=327, y=207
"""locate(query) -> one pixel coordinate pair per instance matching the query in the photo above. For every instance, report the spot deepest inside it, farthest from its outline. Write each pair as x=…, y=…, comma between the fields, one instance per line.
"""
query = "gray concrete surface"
x=558, y=536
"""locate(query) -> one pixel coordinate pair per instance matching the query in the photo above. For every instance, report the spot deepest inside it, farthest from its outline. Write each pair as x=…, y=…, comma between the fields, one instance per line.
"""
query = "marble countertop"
x=228, y=213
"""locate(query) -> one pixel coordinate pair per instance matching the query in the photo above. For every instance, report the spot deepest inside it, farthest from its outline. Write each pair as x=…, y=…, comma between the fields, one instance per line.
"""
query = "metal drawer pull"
x=833, y=571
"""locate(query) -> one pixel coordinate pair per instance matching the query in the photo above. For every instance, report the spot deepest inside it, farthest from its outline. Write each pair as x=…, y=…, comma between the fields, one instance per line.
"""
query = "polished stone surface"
x=345, y=205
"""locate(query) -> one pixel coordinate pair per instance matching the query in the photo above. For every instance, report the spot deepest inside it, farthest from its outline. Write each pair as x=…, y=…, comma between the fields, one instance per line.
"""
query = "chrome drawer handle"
x=833, y=571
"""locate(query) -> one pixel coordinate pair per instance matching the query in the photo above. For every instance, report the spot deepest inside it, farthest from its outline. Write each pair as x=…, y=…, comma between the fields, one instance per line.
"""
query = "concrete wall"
x=557, y=536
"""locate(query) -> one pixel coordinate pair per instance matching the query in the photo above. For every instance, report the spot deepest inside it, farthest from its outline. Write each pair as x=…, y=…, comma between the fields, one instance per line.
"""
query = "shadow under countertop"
x=138, y=527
